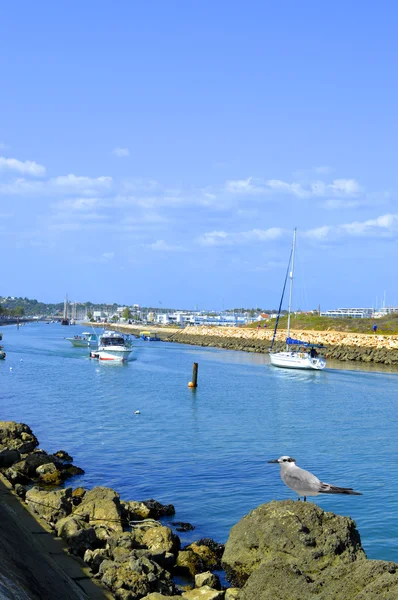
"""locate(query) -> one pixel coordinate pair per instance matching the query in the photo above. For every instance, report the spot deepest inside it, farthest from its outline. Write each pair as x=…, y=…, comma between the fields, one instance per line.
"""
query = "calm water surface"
x=205, y=451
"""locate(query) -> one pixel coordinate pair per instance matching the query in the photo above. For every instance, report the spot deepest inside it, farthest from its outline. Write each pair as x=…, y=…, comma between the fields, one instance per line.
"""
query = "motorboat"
x=112, y=346
x=84, y=340
x=298, y=354
x=149, y=336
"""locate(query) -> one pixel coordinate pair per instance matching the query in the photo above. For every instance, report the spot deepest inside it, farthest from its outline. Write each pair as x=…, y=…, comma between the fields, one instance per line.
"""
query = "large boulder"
x=101, y=506
x=147, y=509
x=50, y=505
x=79, y=536
x=17, y=436
x=161, y=539
x=137, y=575
x=296, y=550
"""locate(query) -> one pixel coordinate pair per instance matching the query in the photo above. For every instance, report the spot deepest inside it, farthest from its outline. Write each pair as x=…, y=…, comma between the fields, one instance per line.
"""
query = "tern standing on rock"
x=305, y=483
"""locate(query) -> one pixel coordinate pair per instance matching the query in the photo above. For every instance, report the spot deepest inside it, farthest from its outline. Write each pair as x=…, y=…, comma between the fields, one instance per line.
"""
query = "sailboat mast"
x=291, y=284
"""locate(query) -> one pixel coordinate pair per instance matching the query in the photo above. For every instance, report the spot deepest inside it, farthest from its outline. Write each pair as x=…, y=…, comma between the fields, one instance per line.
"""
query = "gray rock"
x=101, y=506
x=8, y=458
x=50, y=505
x=17, y=436
x=296, y=550
x=205, y=593
x=208, y=578
x=232, y=594
x=138, y=575
x=94, y=558
x=161, y=539
x=78, y=535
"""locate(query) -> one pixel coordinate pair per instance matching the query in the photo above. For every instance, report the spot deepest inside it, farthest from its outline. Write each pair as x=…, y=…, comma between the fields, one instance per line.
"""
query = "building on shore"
x=355, y=313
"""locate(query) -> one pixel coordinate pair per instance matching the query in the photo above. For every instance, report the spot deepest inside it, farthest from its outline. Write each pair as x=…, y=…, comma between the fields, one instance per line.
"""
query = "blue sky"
x=161, y=153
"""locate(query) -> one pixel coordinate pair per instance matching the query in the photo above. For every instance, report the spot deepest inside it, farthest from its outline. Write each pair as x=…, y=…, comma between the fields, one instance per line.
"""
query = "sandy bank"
x=359, y=347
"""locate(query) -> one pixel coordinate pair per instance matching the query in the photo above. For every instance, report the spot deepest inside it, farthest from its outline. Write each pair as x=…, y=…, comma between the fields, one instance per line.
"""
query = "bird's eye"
x=285, y=460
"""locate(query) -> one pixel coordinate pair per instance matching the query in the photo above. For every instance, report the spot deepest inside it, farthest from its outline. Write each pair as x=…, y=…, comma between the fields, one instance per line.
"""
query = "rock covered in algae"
x=284, y=550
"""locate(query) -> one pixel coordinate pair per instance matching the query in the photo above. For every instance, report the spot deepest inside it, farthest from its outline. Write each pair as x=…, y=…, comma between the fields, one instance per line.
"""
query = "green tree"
x=126, y=314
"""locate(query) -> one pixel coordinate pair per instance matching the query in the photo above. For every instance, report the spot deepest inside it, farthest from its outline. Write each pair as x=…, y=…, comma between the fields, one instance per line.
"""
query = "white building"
x=355, y=313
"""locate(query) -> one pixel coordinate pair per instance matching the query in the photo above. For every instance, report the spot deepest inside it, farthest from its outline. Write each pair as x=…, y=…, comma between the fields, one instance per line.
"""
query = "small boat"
x=84, y=340
x=306, y=355
x=148, y=336
x=112, y=346
x=2, y=353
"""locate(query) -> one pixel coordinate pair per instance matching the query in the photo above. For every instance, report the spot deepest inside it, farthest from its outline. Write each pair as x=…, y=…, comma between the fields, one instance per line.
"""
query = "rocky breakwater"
x=296, y=551
x=343, y=346
x=123, y=542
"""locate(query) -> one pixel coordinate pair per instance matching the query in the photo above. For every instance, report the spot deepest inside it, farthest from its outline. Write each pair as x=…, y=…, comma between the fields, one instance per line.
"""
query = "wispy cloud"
x=316, y=188
x=222, y=238
x=63, y=185
x=162, y=246
x=27, y=167
x=384, y=226
x=245, y=186
x=121, y=152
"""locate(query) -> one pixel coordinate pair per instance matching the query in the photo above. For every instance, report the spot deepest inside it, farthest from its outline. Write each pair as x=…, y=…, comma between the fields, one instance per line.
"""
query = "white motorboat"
x=305, y=356
x=112, y=346
x=84, y=340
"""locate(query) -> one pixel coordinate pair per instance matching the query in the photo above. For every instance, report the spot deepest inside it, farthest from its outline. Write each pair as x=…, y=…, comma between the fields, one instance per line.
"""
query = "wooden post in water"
x=194, y=382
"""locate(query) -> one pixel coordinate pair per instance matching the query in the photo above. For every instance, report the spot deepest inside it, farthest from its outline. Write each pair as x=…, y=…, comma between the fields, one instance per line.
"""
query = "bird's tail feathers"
x=326, y=488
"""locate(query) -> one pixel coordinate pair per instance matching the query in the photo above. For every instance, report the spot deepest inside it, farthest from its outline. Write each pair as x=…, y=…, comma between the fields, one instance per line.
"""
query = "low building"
x=354, y=313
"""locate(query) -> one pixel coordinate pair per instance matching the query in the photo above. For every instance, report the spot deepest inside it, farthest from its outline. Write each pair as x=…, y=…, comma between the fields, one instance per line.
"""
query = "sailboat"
x=65, y=320
x=298, y=354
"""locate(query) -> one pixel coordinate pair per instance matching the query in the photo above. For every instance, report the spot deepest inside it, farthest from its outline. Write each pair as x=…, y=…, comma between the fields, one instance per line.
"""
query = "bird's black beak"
x=272, y=461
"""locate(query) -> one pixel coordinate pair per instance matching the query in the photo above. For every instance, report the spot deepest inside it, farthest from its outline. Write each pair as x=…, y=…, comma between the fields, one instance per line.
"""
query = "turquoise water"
x=206, y=450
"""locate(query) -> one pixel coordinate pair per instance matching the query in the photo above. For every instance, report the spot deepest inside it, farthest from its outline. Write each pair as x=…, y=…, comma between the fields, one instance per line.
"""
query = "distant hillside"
x=386, y=325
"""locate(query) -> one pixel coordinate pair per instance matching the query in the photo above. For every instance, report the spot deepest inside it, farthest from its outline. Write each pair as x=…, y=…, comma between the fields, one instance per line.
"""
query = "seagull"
x=305, y=483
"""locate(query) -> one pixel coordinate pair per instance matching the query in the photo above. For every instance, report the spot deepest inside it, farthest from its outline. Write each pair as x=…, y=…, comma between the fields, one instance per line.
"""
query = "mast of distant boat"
x=291, y=286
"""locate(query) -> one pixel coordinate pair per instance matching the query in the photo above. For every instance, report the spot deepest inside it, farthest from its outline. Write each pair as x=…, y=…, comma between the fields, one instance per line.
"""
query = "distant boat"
x=298, y=354
x=65, y=320
x=112, y=346
x=84, y=340
x=148, y=336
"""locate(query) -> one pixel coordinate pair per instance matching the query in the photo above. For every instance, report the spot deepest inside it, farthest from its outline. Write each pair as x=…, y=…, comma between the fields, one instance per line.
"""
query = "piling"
x=194, y=382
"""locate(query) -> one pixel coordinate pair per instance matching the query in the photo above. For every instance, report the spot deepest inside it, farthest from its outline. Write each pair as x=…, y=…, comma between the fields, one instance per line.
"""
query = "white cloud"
x=162, y=246
x=316, y=188
x=77, y=182
x=382, y=227
x=121, y=152
x=292, y=188
x=213, y=238
x=245, y=186
x=28, y=167
x=222, y=238
x=350, y=187
x=108, y=255
x=60, y=186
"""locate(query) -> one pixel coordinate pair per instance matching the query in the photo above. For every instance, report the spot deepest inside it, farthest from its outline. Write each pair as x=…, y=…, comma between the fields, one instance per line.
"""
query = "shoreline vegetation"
x=378, y=348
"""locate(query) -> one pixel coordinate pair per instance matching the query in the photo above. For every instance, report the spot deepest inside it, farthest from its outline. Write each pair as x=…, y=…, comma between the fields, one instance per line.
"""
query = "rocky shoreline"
x=338, y=346
x=279, y=551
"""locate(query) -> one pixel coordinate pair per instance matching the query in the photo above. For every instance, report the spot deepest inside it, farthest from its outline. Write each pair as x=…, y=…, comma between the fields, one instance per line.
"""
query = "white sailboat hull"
x=296, y=360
